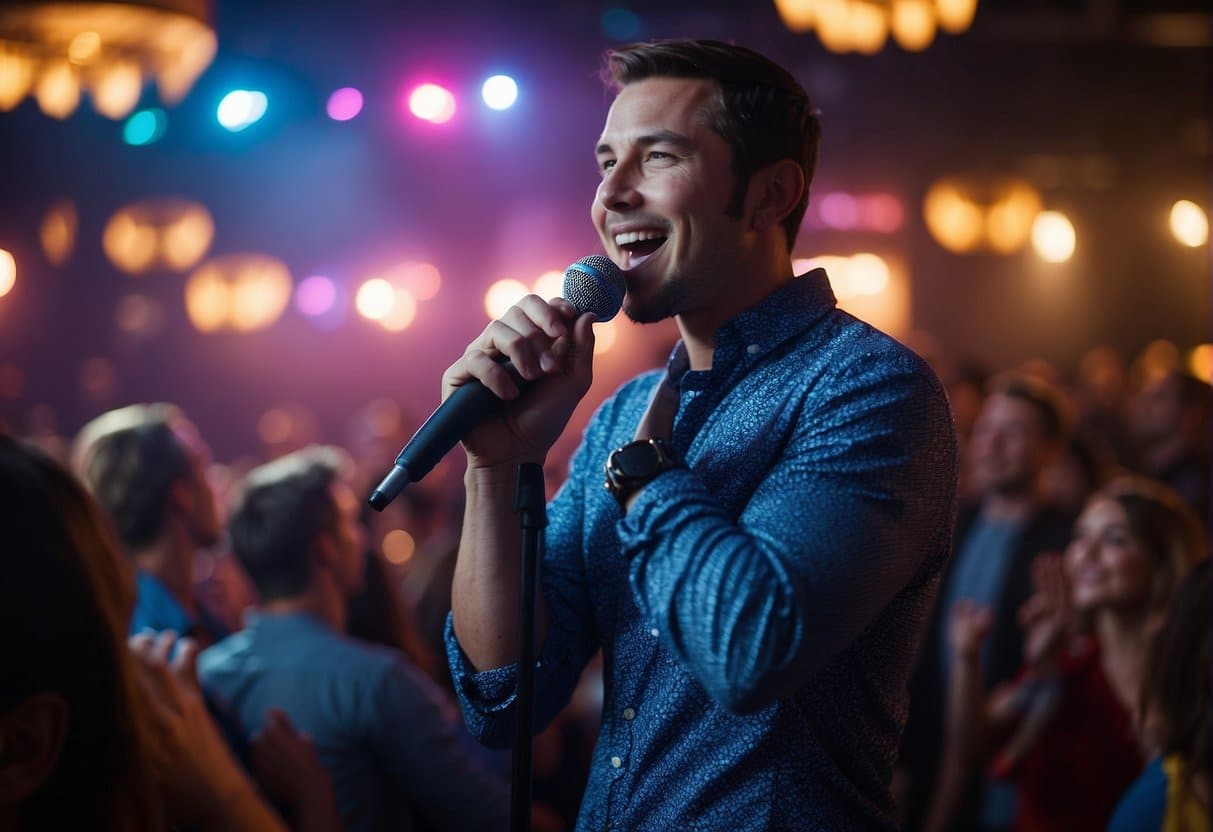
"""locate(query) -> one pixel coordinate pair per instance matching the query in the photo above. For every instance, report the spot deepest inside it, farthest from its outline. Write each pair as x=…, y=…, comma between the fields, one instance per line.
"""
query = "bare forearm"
x=485, y=592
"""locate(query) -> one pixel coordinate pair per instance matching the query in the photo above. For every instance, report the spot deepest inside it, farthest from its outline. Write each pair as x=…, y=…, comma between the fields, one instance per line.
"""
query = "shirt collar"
x=785, y=313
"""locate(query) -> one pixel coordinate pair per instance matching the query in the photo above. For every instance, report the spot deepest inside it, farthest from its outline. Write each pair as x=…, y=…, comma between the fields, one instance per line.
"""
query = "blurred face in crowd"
x=1008, y=447
x=1157, y=410
x=199, y=504
x=1107, y=566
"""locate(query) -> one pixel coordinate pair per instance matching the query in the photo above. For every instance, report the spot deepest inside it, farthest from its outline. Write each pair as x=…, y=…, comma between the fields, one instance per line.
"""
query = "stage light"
x=344, y=104
x=913, y=24
x=620, y=24
x=144, y=127
x=139, y=315
x=241, y=292
x=422, y=280
x=1189, y=224
x=398, y=546
x=315, y=295
x=8, y=272
x=1053, y=236
x=1200, y=362
x=402, y=313
x=375, y=299
x=240, y=109
x=502, y=295
x=797, y=15
x=499, y=92
x=549, y=285
x=432, y=103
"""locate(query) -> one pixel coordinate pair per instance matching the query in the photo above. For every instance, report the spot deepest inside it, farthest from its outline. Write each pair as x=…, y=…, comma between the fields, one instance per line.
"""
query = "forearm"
x=965, y=710
x=485, y=592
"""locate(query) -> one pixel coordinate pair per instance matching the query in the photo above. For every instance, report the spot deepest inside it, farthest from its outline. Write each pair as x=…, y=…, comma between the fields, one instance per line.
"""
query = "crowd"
x=1063, y=682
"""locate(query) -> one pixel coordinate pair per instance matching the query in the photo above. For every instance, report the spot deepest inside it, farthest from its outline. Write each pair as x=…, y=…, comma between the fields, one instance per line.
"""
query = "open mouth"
x=639, y=246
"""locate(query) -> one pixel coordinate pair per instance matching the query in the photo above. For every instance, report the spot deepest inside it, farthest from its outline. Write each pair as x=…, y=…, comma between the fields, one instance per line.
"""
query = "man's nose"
x=618, y=190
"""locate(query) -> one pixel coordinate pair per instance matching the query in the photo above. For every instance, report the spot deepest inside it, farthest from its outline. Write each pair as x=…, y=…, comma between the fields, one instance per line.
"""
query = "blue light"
x=499, y=92
x=144, y=127
x=620, y=23
x=241, y=108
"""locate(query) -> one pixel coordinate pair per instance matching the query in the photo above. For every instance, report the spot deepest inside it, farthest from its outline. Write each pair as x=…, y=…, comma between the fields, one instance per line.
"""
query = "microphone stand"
x=529, y=504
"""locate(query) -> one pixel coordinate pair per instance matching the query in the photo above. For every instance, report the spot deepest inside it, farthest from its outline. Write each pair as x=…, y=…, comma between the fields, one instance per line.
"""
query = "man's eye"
x=606, y=164
x=658, y=154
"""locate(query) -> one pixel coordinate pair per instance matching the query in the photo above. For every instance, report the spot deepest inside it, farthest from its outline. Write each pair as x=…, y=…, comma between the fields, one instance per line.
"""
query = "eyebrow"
x=650, y=139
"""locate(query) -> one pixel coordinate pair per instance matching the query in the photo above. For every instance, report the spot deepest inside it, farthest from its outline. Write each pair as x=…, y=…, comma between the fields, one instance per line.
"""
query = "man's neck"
x=320, y=600
x=750, y=286
x=170, y=560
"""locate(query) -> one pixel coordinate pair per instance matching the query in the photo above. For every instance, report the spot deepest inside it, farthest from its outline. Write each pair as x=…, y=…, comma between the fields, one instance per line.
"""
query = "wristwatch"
x=631, y=467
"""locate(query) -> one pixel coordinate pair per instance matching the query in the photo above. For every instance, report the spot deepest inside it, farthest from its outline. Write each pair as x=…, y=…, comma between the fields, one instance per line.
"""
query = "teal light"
x=144, y=127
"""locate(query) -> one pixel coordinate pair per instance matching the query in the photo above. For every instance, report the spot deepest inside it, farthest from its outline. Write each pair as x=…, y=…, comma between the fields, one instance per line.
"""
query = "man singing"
x=778, y=500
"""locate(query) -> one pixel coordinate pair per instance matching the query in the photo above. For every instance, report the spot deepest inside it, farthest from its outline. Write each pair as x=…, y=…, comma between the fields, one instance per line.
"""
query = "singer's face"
x=661, y=206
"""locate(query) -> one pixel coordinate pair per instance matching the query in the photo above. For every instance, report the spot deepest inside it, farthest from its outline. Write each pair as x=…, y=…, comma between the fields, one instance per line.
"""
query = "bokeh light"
x=1189, y=223
x=139, y=315
x=98, y=379
x=117, y=89
x=605, y=336
x=1053, y=237
x=620, y=23
x=8, y=272
x=502, y=295
x=422, y=280
x=315, y=295
x=16, y=75
x=549, y=285
x=499, y=92
x=432, y=103
x=241, y=292
x=58, y=231
x=402, y=313
x=170, y=232
x=398, y=547
x=144, y=127
x=1200, y=362
x=797, y=15
x=375, y=299
x=57, y=89
x=913, y=24
x=344, y=104
x=240, y=109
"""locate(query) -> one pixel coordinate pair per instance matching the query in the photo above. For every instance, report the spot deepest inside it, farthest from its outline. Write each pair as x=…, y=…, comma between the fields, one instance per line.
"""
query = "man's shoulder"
x=316, y=649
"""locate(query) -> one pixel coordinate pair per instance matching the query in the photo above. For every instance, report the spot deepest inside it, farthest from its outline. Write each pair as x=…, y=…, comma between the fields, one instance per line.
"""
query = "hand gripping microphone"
x=592, y=284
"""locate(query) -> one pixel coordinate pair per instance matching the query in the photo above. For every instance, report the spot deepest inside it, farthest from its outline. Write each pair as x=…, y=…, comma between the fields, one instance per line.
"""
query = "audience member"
x=147, y=467
x=1171, y=420
x=1063, y=731
x=91, y=737
x=1019, y=432
x=1172, y=794
x=383, y=730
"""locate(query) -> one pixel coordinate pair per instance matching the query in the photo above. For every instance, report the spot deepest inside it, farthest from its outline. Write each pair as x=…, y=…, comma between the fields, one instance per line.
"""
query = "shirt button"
x=629, y=714
x=616, y=762
x=754, y=349
x=653, y=632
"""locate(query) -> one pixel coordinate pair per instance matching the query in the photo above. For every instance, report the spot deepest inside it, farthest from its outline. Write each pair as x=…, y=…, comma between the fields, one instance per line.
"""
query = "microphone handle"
x=463, y=410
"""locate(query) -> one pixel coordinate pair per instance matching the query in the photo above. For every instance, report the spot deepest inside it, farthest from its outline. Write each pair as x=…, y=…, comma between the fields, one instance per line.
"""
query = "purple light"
x=315, y=295
x=839, y=210
x=344, y=104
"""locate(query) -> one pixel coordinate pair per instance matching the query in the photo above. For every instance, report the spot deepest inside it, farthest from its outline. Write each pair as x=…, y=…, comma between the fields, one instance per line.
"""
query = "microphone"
x=592, y=284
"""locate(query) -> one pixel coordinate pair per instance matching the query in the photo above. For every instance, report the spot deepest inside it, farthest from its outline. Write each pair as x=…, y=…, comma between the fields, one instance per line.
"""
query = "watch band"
x=631, y=467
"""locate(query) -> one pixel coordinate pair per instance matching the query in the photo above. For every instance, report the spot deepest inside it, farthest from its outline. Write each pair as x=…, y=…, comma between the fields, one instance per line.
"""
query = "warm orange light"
x=58, y=231
x=913, y=24
x=169, y=232
x=8, y=272
x=1200, y=362
x=797, y=15
x=502, y=295
x=398, y=547
x=375, y=299
x=549, y=285
x=242, y=292
x=605, y=335
x=968, y=213
x=402, y=313
x=1053, y=236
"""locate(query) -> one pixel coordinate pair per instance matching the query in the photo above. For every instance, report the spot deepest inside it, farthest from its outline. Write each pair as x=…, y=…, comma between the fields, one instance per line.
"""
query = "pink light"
x=315, y=295
x=430, y=102
x=839, y=210
x=344, y=104
x=882, y=212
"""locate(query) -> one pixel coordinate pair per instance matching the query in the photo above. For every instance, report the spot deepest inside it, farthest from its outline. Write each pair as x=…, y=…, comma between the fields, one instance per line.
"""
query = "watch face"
x=637, y=460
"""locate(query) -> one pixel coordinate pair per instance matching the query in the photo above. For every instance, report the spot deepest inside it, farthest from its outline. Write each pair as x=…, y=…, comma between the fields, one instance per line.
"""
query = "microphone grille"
x=595, y=284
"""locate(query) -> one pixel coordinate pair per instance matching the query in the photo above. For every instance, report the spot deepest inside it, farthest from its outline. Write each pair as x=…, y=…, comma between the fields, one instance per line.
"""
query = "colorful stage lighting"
x=499, y=92
x=344, y=104
x=144, y=127
x=430, y=102
x=240, y=109
x=315, y=295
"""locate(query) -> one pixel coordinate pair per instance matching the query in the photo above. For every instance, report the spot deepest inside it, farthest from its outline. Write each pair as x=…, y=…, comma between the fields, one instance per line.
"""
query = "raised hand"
x=1046, y=616
x=551, y=346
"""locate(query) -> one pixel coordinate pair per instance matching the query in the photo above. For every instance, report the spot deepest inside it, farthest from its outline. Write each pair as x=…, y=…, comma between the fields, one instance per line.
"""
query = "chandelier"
x=57, y=50
x=864, y=26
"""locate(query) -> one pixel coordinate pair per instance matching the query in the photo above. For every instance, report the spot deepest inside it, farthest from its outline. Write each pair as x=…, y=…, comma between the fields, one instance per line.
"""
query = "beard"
x=665, y=302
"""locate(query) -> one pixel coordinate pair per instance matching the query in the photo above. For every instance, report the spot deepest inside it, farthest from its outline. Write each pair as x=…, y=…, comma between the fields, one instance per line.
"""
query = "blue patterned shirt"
x=760, y=610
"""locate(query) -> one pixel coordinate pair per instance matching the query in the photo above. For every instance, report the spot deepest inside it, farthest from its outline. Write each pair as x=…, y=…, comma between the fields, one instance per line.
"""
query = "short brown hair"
x=762, y=111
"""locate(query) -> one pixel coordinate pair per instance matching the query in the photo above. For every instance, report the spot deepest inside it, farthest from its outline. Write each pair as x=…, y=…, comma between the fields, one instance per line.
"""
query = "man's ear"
x=181, y=496
x=773, y=193
x=324, y=551
x=31, y=737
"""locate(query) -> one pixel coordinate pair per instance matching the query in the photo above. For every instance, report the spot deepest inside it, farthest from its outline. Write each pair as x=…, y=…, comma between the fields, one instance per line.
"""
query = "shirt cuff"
x=485, y=691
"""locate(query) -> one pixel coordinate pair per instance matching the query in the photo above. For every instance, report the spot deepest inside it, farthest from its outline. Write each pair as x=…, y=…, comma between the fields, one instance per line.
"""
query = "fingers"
x=526, y=335
x=185, y=661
